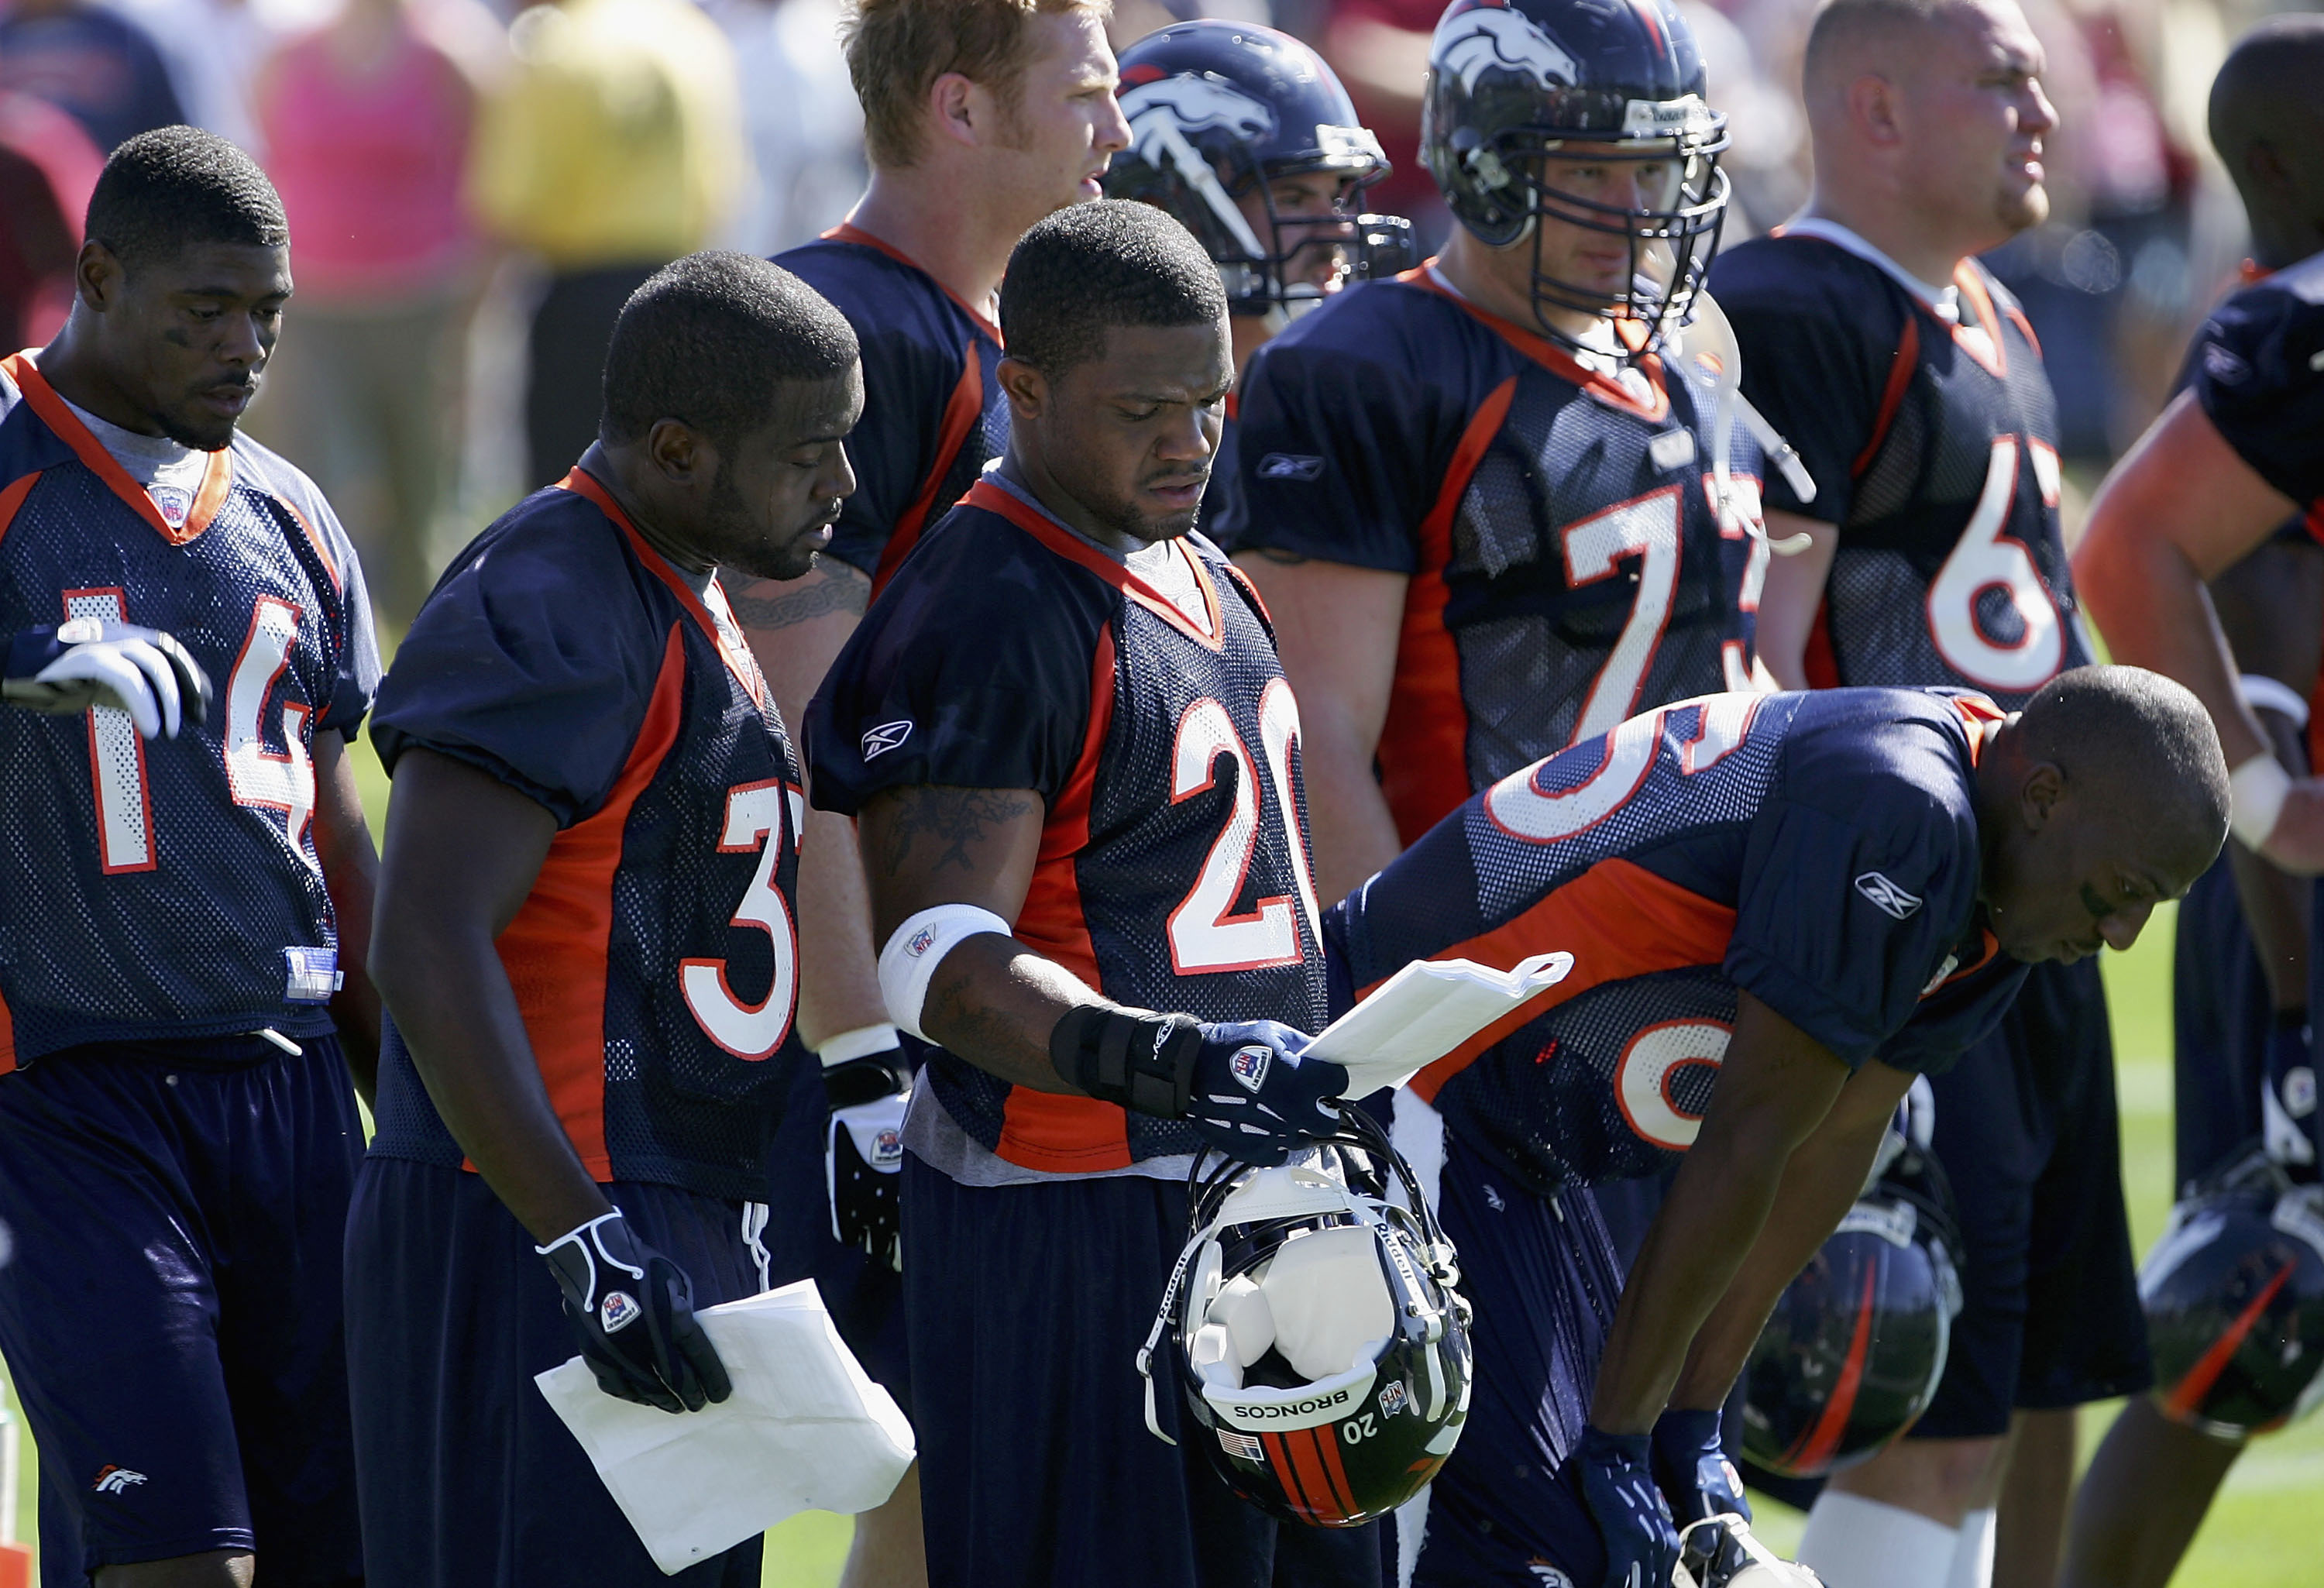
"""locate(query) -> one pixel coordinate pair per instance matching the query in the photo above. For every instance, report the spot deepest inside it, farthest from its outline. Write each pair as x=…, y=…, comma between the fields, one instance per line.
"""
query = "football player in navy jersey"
x=980, y=116
x=182, y=993
x=1245, y=135
x=1072, y=757
x=2202, y=491
x=1781, y=907
x=1482, y=499
x=586, y=942
x=1913, y=388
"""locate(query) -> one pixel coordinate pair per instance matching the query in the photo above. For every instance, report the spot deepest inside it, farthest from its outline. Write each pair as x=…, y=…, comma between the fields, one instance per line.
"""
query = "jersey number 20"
x=1205, y=935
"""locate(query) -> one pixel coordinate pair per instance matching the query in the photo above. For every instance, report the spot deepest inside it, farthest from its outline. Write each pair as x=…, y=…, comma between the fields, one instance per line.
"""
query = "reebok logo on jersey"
x=1249, y=1067
x=887, y=736
x=618, y=1311
x=113, y=1480
x=1891, y=898
x=1290, y=466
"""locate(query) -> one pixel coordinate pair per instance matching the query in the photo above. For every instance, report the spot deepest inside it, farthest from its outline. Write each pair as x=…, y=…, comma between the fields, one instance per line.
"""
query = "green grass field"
x=2258, y=1532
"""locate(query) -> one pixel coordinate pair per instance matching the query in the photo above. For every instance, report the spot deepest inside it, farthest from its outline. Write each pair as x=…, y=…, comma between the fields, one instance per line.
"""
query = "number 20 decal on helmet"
x=1322, y=1348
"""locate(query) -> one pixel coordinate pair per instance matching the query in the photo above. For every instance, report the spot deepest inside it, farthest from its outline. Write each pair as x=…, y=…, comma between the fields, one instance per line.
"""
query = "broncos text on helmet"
x=1221, y=111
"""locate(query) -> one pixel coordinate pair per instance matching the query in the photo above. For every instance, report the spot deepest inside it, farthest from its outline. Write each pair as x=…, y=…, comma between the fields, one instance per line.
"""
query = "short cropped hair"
x=1093, y=266
x=177, y=188
x=708, y=339
x=897, y=49
x=1841, y=25
x=2142, y=741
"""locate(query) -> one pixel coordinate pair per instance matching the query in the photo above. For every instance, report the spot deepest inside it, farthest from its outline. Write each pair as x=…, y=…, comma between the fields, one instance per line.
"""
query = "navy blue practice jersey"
x=2258, y=371
x=933, y=411
x=170, y=889
x=656, y=961
x=1173, y=871
x=1565, y=556
x=1934, y=445
x=1818, y=850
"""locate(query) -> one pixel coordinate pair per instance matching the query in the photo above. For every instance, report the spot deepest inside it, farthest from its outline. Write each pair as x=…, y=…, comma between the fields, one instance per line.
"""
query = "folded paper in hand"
x=804, y=1430
x=1425, y=1011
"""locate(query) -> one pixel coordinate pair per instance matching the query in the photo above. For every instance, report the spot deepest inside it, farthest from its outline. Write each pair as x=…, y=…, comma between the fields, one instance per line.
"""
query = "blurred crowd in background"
x=473, y=192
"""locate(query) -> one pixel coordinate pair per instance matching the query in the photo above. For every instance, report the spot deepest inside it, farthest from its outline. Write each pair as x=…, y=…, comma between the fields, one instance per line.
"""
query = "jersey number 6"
x=1986, y=559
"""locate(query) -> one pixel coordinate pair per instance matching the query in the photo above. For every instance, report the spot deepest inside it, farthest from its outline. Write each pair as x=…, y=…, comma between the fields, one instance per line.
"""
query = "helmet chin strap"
x=1730, y=406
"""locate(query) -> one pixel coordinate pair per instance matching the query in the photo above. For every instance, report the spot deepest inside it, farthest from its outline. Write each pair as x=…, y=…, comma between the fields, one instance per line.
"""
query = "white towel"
x=805, y=1430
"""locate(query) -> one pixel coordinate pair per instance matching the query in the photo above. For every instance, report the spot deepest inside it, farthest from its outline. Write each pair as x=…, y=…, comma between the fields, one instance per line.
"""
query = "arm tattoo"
x=765, y=603
x=955, y=818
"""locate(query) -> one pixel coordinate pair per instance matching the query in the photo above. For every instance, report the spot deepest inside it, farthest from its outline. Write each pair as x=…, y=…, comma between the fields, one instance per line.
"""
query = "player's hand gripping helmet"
x=1527, y=98
x=1720, y=1552
x=1209, y=98
x=1319, y=1342
x=2234, y=1294
x=1857, y=1343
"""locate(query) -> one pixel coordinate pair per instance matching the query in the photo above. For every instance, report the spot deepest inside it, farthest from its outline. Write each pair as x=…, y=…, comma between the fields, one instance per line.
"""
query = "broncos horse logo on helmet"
x=1523, y=93
x=1219, y=111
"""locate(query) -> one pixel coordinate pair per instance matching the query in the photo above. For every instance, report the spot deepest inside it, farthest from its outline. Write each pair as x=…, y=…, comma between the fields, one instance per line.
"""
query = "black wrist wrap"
x=867, y=1079
x=1143, y=1062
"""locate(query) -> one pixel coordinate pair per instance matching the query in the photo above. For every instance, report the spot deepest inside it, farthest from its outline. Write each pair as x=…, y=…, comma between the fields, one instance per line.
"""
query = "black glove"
x=633, y=1311
x=1241, y=1084
x=1618, y=1485
x=863, y=1151
x=2290, y=1124
x=88, y=662
x=1697, y=1479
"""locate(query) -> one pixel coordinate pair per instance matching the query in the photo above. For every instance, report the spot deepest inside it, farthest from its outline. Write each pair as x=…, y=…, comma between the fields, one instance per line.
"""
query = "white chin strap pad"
x=914, y=950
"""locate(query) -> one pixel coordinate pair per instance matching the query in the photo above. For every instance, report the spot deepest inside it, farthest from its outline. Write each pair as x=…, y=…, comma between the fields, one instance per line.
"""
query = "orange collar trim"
x=847, y=231
x=217, y=475
x=744, y=667
x=1554, y=358
x=994, y=498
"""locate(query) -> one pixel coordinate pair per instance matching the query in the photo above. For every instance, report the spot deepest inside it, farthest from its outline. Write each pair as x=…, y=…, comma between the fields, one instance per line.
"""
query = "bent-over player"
x=1781, y=908
x=586, y=942
x=1913, y=387
x=1073, y=756
x=182, y=913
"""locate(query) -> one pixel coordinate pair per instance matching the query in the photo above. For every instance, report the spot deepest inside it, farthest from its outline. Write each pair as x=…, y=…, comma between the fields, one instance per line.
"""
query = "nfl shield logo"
x=617, y=1312
x=174, y=500
x=1250, y=1066
x=887, y=1149
x=1392, y=1398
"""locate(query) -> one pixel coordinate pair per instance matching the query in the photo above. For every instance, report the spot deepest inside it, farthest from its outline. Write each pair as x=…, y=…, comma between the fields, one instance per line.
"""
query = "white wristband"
x=916, y=947
x=2258, y=788
x=2266, y=693
x=861, y=1042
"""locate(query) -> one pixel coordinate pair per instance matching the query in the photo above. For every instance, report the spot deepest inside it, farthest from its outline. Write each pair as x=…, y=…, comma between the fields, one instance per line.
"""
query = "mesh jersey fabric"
x=1819, y=850
x=148, y=891
x=933, y=411
x=655, y=961
x=1558, y=526
x=2259, y=375
x=1174, y=872
x=1934, y=449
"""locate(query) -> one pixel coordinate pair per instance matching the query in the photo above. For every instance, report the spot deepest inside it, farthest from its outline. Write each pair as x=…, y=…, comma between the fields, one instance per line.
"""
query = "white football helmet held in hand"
x=1720, y=1552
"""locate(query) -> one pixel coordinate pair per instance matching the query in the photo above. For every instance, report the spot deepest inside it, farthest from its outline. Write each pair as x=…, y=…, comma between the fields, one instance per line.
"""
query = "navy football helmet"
x=1321, y=1347
x=1854, y=1349
x=1523, y=94
x=2234, y=1295
x=1220, y=110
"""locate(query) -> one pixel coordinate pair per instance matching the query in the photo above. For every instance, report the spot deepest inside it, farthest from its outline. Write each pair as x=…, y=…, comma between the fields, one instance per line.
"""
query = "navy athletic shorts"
x=865, y=1299
x=1543, y=1279
x=1026, y=1305
x=470, y=1481
x=2222, y=1015
x=170, y=1315
x=2027, y=1134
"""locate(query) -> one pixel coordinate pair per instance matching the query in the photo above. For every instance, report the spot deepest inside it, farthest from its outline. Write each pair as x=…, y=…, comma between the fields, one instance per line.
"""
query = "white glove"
x=88, y=662
x=868, y=1084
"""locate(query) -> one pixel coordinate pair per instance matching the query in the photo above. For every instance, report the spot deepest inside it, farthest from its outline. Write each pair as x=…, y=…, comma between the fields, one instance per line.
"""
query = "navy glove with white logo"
x=1241, y=1084
x=1696, y=1478
x=1618, y=1485
x=863, y=1151
x=88, y=662
x=632, y=1310
x=2288, y=1118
